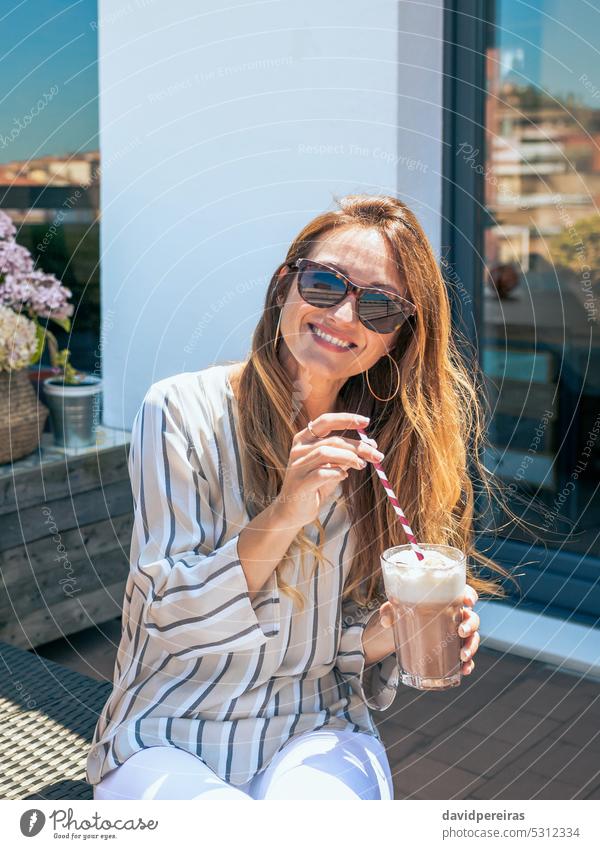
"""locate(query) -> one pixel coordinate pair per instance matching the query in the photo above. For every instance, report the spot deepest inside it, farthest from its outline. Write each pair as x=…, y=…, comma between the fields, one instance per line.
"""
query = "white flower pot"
x=75, y=410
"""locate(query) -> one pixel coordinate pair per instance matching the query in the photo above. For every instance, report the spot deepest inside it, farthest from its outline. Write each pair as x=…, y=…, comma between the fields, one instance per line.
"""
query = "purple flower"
x=22, y=286
x=7, y=228
x=41, y=294
x=15, y=259
x=47, y=297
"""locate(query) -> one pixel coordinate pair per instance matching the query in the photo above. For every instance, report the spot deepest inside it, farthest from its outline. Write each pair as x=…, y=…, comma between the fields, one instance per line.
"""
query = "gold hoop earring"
x=397, y=388
x=277, y=330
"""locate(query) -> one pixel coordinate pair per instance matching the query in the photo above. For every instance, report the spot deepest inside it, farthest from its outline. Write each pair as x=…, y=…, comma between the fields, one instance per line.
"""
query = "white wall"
x=222, y=134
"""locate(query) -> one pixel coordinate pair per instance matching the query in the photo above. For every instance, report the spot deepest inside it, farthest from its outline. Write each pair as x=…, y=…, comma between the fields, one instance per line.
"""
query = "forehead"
x=363, y=254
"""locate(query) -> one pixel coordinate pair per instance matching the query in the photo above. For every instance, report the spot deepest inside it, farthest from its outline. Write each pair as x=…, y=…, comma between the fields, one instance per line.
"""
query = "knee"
x=329, y=765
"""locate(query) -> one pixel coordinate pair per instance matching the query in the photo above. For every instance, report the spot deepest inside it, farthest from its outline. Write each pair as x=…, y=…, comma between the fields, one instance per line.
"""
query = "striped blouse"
x=200, y=666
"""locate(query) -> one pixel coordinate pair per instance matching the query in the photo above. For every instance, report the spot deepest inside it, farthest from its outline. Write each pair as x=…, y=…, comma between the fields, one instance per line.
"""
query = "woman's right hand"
x=317, y=464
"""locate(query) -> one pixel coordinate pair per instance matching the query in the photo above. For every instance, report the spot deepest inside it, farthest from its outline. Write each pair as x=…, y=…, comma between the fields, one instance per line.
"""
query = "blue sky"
x=44, y=45
x=553, y=43
x=54, y=44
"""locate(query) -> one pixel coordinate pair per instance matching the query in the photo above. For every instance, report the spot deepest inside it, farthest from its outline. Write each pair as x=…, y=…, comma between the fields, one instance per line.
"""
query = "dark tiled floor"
x=514, y=729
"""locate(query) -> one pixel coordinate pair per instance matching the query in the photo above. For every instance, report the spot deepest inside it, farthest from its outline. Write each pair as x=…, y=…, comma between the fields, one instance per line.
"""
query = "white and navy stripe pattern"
x=200, y=666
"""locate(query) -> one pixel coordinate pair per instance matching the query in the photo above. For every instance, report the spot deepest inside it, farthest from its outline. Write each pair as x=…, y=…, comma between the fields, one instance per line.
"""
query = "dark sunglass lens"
x=380, y=313
x=320, y=288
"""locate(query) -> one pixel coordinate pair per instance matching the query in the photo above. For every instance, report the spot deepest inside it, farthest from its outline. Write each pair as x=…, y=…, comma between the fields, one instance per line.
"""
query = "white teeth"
x=329, y=338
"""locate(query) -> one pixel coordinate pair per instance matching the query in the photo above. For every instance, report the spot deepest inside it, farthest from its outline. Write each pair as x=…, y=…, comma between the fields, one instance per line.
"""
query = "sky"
x=49, y=73
x=552, y=44
x=49, y=56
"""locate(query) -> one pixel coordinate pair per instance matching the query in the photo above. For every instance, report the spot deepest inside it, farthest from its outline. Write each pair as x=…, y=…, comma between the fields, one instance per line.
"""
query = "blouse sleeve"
x=378, y=684
x=195, y=596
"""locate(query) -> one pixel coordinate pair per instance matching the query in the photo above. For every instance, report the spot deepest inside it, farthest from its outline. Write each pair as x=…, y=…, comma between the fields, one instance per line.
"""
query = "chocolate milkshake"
x=427, y=597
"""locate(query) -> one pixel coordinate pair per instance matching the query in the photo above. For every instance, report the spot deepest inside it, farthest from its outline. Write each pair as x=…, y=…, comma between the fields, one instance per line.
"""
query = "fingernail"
x=465, y=654
x=379, y=455
x=365, y=419
x=363, y=463
x=462, y=631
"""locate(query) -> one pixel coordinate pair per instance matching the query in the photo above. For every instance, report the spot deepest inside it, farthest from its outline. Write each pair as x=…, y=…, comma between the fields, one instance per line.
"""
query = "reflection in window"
x=542, y=252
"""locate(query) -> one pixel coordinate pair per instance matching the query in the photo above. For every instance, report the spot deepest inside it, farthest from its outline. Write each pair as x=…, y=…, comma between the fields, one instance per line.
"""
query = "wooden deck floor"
x=514, y=729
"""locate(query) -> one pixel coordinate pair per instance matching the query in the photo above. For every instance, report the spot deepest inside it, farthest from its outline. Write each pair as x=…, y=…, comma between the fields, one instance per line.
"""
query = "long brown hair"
x=431, y=431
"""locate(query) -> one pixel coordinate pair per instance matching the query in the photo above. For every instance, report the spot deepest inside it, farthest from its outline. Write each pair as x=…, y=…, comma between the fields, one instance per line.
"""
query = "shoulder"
x=204, y=385
x=192, y=397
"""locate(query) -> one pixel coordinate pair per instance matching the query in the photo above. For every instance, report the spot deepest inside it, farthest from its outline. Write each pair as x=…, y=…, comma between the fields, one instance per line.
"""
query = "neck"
x=312, y=395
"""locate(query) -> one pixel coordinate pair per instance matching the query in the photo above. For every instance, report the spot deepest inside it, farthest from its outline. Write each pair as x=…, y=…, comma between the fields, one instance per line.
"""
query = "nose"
x=345, y=310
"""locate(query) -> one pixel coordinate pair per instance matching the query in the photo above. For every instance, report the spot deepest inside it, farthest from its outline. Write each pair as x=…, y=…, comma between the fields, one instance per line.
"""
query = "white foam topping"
x=436, y=579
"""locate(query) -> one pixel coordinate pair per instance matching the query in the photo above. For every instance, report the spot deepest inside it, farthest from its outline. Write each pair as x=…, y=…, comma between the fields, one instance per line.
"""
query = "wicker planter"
x=22, y=416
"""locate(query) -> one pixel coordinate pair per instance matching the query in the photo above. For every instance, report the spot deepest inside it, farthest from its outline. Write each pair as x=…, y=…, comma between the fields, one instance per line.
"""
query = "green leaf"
x=41, y=341
x=65, y=323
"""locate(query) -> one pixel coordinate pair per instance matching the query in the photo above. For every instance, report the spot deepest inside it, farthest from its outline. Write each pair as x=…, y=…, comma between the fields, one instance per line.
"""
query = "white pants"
x=322, y=764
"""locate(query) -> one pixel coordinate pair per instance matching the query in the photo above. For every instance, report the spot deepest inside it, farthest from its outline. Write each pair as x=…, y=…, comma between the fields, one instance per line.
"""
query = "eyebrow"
x=343, y=271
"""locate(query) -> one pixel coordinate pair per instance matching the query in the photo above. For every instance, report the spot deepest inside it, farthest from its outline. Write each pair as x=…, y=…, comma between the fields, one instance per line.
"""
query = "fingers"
x=337, y=452
x=370, y=451
x=322, y=478
x=470, y=595
x=322, y=454
x=470, y=622
x=467, y=668
x=356, y=445
x=326, y=422
x=469, y=628
x=469, y=647
x=386, y=614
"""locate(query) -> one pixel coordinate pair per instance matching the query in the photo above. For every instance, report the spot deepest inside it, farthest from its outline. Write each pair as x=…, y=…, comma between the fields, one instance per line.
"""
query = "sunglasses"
x=322, y=286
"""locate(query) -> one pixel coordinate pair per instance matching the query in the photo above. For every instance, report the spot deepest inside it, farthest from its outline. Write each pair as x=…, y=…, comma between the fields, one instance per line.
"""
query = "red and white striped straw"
x=390, y=494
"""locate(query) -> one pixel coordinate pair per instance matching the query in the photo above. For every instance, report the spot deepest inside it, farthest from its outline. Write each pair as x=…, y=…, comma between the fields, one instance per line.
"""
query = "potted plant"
x=74, y=399
x=27, y=295
x=22, y=417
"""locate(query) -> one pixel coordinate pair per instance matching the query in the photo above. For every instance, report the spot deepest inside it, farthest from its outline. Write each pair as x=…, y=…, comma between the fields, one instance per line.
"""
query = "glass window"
x=542, y=256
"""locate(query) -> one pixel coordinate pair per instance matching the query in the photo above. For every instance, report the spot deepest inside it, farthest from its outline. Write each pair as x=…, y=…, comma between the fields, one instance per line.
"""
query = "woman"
x=240, y=673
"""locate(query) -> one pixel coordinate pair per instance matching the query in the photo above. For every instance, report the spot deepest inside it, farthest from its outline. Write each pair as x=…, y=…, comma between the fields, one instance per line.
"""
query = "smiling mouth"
x=315, y=331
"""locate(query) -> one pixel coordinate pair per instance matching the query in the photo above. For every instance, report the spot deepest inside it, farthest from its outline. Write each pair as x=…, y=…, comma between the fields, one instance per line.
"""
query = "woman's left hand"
x=470, y=624
x=469, y=628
